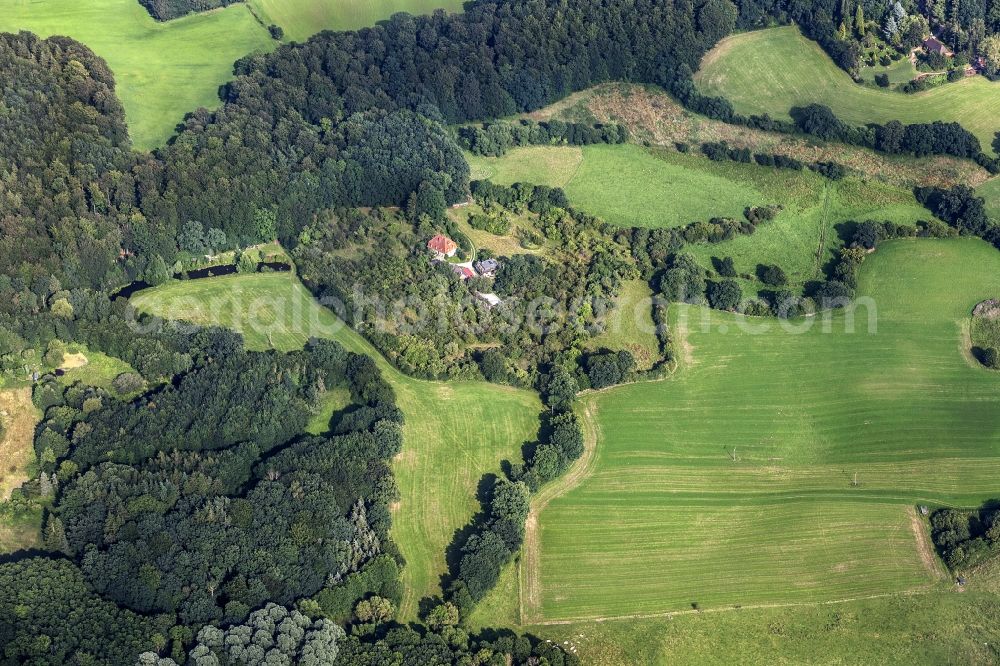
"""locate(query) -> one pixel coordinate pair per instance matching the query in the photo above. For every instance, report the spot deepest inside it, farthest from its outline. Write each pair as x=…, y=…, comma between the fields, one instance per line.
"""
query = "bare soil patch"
x=73, y=361
x=924, y=546
x=19, y=418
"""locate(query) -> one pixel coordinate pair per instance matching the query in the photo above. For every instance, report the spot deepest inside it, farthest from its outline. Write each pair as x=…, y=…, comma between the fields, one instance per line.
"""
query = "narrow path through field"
x=824, y=228
x=924, y=547
x=744, y=607
x=530, y=577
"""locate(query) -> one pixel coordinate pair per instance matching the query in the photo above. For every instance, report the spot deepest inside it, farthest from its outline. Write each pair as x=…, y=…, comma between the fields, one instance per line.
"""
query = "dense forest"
x=967, y=538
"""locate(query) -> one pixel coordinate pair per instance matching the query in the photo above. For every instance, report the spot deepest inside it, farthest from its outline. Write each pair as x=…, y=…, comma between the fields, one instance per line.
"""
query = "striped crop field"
x=781, y=464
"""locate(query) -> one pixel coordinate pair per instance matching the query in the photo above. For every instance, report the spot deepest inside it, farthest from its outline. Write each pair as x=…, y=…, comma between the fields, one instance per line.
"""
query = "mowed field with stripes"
x=770, y=71
x=782, y=466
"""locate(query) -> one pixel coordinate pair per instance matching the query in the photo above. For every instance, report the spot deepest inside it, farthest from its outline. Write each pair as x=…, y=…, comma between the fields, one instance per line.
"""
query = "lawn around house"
x=162, y=70
x=772, y=70
x=733, y=483
x=465, y=428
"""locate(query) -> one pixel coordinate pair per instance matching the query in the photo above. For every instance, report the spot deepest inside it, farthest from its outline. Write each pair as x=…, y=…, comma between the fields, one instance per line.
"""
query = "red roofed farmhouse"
x=442, y=245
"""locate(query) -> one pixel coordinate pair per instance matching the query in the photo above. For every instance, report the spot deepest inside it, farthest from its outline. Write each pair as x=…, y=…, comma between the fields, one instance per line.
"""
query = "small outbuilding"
x=491, y=300
x=923, y=510
x=442, y=246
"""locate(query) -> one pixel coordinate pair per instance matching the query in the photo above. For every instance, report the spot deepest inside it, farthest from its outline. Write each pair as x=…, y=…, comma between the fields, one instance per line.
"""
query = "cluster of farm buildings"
x=444, y=248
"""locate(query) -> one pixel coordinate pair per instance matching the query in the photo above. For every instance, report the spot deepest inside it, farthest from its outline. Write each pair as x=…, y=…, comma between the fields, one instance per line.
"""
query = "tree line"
x=495, y=138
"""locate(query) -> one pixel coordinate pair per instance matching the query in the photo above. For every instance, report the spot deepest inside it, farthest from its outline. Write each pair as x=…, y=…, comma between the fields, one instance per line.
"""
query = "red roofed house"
x=442, y=246
x=464, y=272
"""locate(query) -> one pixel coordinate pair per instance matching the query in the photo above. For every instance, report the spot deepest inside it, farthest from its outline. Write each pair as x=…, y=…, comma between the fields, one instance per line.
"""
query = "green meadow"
x=772, y=70
x=782, y=465
x=300, y=19
x=466, y=428
x=162, y=70
x=626, y=184
x=631, y=185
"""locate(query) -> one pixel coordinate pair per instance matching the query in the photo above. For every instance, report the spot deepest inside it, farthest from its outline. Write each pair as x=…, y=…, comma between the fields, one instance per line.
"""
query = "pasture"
x=162, y=70
x=92, y=367
x=782, y=466
x=634, y=186
x=772, y=70
x=301, y=19
x=455, y=432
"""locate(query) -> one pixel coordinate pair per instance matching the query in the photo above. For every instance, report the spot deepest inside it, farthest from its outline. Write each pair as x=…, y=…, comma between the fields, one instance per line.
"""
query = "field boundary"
x=924, y=546
x=923, y=589
x=824, y=228
x=529, y=569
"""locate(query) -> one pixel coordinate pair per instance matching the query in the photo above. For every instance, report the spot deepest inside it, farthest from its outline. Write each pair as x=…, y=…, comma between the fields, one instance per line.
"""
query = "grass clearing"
x=92, y=368
x=506, y=245
x=162, y=70
x=20, y=531
x=466, y=428
x=990, y=192
x=772, y=70
x=630, y=325
x=335, y=400
x=301, y=19
x=899, y=72
x=733, y=482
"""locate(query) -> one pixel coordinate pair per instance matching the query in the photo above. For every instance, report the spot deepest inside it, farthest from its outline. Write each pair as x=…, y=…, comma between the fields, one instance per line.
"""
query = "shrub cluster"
x=720, y=151
x=496, y=138
x=966, y=538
